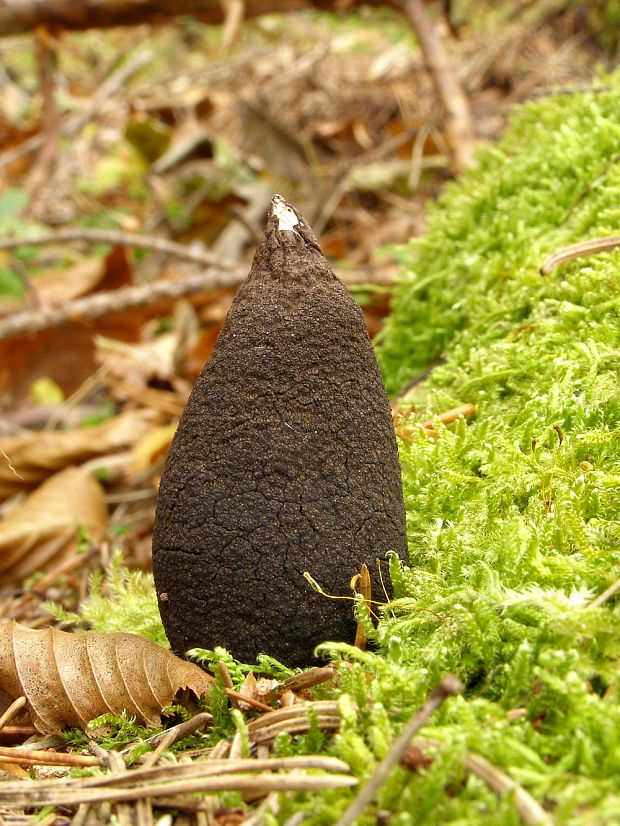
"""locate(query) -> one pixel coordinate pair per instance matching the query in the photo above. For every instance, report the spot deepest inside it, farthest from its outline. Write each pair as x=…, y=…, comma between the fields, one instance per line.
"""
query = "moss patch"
x=513, y=518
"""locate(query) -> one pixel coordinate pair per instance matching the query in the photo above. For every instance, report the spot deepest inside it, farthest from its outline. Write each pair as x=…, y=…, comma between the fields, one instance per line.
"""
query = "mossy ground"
x=513, y=516
x=514, y=521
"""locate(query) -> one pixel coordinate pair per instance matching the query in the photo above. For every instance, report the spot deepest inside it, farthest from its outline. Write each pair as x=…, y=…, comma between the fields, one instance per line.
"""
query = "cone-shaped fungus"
x=284, y=461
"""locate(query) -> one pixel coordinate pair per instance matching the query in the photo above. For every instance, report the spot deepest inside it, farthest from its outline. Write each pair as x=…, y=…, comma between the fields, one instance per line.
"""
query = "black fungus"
x=284, y=461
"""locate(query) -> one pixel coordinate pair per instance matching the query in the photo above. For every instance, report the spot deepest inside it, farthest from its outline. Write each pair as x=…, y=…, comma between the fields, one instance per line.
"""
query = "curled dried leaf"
x=68, y=679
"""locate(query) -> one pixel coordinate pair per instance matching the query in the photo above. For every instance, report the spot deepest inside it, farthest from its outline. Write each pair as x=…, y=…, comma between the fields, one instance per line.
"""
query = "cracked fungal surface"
x=284, y=461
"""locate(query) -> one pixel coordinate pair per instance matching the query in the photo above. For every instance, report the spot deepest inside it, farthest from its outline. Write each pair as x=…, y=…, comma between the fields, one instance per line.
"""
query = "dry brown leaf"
x=68, y=679
x=56, y=287
x=152, y=446
x=44, y=528
x=138, y=364
x=26, y=460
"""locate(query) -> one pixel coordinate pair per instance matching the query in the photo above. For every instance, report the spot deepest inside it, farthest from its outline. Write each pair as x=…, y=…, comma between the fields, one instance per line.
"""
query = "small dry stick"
x=100, y=304
x=307, y=679
x=448, y=687
x=243, y=698
x=180, y=732
x=408, y=432
x=459, y=129
x=225, y=674
x=530, y=811
x=15, y=707
x=45, y=758
x=118, y=238
x=74, y=123
x=365, y=589
x=36, y=794
x=578, y=250
x=608, y=593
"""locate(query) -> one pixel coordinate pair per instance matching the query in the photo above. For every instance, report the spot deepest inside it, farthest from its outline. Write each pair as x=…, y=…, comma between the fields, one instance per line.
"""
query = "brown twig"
x=203, y=776
x=234, y=11
x=459, y=129
x=243, y=698
x=578, y=250
x=589, y=186
x=308, y=679
x=45, y=54
x=408, y=432
x=73, y=124
x=44, y=758
x=94, y=306
x=180, y=732
x=294, y=719
x=14, y=709
x=530, y=811
x=117, y=238
x=607, y=594
x=365, y=589
x=448, y=687
x=19, y=17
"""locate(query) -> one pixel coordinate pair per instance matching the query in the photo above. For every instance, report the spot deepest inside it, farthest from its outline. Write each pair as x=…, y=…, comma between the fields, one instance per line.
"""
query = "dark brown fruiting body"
x=284, y=461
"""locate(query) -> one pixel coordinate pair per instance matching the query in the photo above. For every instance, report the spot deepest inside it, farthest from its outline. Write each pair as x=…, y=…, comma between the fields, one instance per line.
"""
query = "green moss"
x=513, y=518
x=118, y=600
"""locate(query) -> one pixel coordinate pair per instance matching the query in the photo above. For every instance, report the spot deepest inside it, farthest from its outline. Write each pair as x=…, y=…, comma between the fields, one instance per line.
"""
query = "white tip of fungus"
x=287, y=218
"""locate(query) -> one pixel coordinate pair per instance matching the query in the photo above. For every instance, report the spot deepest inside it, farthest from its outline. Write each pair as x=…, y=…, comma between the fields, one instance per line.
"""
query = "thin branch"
x=20, y=17
x=203, y=776
x=564, y=254
x=530, y=811
x=607, y=594
x=95, y=306
x=449, y=686
x=73, y=124
x=117, y=238
x=459, y=128
x=12, y=711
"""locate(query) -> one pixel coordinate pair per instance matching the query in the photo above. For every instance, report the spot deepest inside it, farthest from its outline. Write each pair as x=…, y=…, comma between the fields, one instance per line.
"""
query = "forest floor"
x=136, y=168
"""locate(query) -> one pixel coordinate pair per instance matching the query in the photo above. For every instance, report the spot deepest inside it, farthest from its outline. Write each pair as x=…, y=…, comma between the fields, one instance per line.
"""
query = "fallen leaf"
x=69, y=679
x=152, y=446
x=44, y=528
x=27, y=459
x=56, y=287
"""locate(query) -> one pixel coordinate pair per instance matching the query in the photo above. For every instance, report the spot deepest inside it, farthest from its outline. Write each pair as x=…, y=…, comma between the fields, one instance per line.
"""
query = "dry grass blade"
x=577, y=250
x=308, y=679
x=449, y=686
x=295, y=720
x=200, y=776
x=530, y=811
x=32, y=757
